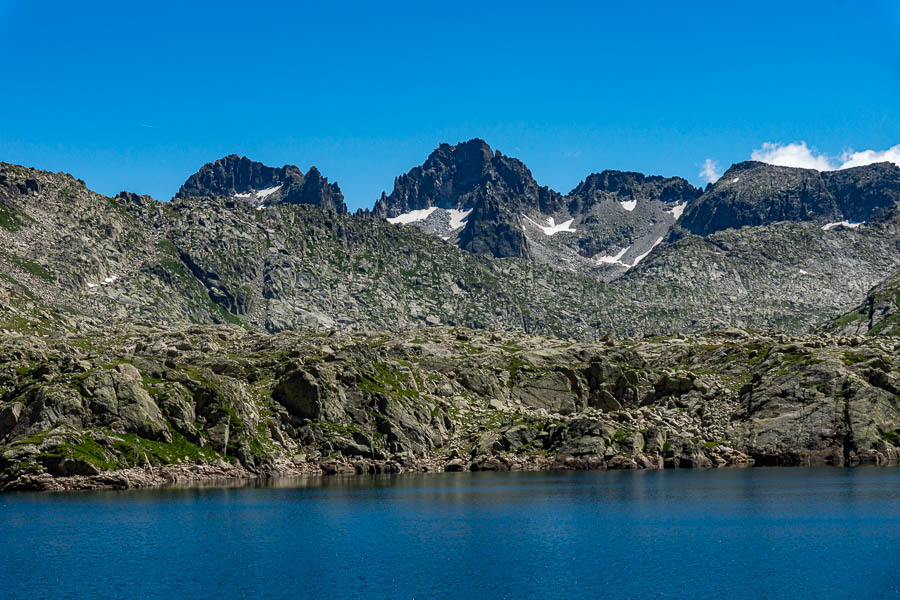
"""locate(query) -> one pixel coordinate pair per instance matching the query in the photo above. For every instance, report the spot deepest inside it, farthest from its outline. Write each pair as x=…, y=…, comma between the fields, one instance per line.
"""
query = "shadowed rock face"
x=469, y=176
x=628, y=185
x=512, y=215
x=755, y=193
x=238, y=176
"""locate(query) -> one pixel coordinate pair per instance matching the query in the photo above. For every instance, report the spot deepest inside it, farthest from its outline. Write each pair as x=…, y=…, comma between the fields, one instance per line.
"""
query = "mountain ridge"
x=260, y=185
x=146, y=342
x=84, y=257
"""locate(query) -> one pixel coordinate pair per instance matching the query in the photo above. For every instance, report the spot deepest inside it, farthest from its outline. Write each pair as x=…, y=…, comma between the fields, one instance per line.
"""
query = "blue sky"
x=138, y=95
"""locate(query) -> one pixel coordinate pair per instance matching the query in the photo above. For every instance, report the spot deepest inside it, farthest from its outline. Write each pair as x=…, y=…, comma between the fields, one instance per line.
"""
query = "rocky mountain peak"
x=754, y=193
x=449, y=178
x=251, y=181
x=227, y=176
x=630, y=184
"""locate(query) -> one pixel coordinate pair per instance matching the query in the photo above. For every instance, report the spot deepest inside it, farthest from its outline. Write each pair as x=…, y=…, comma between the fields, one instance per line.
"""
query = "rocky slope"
x=77, y=259
x=755, y=193
x=488, y=203
x=141, y=405
x=878, y=314
x=259, y=185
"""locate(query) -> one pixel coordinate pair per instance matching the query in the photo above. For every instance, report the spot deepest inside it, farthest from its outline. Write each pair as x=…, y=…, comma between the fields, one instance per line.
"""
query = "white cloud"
x=867, y=157
x=792, y=155
x=800, y=155
x=710, y=171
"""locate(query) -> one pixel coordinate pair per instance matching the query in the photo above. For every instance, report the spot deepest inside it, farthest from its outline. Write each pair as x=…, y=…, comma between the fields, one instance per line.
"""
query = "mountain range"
x=468, y=238
x=472, y=319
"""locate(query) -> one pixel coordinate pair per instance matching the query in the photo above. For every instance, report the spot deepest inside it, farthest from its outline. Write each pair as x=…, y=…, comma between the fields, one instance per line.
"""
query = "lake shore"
x=222, y=471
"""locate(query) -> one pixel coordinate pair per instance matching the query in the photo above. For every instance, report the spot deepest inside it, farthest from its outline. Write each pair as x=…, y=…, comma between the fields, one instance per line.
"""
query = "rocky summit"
x=474, y=320
x=488, y=203
x=259, y=185
x=755, y=193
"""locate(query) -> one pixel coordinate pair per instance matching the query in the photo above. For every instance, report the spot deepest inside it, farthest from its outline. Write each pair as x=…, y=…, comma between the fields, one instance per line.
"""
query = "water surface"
x=751, y=533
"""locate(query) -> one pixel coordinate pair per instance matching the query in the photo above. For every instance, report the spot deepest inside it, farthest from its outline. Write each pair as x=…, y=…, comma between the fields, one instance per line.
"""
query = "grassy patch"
x=135, y=448
x=852, y=358
x=87, y=450
x=31, y=267
x=11, y=220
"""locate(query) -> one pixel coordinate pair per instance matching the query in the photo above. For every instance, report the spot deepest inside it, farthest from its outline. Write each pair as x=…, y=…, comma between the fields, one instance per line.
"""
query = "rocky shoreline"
x=225, y=474
x=141, y=406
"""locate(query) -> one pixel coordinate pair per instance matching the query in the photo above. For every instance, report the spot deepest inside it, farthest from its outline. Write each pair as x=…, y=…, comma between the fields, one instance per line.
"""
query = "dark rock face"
x=755, y=193
x=238, y=176
x=493, y=229
x=513, y=216
x=862, y=193
x=469, y=176
x=628, y=185
x=461, y=175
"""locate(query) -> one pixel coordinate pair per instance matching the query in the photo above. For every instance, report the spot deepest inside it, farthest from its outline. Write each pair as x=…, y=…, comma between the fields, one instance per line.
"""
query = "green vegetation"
x=30, y=267
x=852, y=358
x=137, y=450
x=11, y=220
x=85, y=449
x=850, y=317
x=388, y=382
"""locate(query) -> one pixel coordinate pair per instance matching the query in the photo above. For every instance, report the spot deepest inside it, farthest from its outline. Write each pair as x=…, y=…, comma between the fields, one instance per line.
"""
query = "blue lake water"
x=718, y=534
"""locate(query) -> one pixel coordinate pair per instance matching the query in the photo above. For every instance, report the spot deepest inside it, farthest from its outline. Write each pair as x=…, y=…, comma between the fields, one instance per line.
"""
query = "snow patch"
x=735, y=180
x=244, y=195
x=263, y=194
x=552, y=227
x=617, y=259
x=848, y=224
x=611, y=260
x=628, y=205
x=458, y=217
x=802, y=272
x=677, y=210
x=412, y=216
x=644, y=255
x=106, y=281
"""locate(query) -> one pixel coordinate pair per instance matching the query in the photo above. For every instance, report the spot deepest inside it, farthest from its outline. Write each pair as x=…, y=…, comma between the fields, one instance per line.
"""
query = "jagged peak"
x=626, y=183
x=235, y=175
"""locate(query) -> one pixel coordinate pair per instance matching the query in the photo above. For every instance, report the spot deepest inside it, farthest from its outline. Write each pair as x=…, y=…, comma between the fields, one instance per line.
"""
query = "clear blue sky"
x=138, y=95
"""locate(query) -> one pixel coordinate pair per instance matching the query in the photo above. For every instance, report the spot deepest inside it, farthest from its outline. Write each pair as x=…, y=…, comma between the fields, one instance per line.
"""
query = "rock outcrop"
x=144, y=406
x=259, y=185
x=469, y=176
x=878, y=314
x=755, y=193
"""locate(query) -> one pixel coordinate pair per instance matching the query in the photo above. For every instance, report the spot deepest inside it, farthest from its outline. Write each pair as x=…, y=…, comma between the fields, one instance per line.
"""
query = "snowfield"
x=412, y=216
x=849, y=224
x=552, y=228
